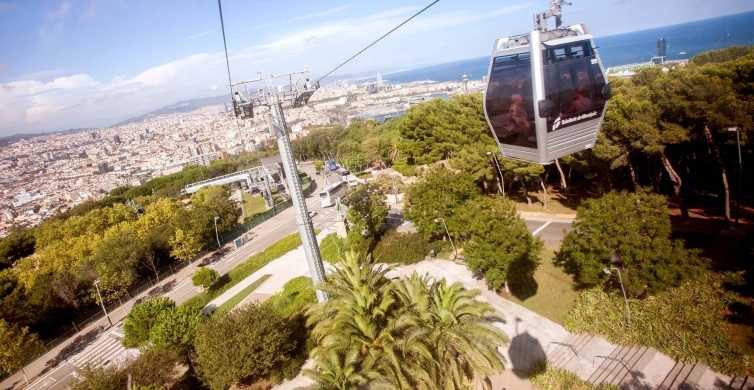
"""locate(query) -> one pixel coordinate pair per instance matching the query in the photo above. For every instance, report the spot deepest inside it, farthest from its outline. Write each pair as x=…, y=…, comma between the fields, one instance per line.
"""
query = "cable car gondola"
x=547, y=92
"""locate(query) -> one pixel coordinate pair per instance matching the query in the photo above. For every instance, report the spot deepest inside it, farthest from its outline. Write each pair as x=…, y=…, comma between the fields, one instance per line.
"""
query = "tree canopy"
x=243, y=346
x=497, y=243
x=630, y=231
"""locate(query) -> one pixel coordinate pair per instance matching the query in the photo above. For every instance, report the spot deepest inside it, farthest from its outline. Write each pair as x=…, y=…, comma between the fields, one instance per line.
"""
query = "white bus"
x=329, y=195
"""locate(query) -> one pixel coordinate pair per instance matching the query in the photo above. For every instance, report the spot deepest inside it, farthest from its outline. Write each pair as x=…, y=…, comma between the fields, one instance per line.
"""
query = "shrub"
x=683, y=322
x=634, y=229
x=205, y=277
x=401, y=248
x=141, y=318
x=244, y=346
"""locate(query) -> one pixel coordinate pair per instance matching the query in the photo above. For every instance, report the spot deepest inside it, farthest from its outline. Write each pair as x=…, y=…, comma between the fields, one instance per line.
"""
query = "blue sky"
x=90, y=63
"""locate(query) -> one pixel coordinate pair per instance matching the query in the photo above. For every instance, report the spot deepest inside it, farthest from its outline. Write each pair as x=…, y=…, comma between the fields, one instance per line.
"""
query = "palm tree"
x=404, y=334
x=339, y=370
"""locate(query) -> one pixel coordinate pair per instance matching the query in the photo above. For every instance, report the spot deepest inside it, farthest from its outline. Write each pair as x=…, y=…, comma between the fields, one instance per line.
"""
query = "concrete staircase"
x=634, y=367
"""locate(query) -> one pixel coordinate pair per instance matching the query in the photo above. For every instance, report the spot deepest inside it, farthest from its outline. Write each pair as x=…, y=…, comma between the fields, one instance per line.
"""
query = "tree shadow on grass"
x=521, y=278
x=220, y=282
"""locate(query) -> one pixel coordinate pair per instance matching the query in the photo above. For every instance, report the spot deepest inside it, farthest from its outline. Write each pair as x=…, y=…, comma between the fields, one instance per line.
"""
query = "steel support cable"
x=377, y=40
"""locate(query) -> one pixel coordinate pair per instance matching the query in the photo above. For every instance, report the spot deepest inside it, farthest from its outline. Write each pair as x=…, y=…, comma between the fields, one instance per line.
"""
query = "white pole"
x=217, y=236
x=102, y=303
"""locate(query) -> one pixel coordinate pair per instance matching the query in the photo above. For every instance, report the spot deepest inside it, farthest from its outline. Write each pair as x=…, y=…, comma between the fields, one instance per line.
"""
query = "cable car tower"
x=547, y=90
x=276, y=98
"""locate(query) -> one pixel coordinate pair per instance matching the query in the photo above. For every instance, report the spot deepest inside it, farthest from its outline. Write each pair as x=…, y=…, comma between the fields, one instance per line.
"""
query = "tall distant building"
x=662, y=51
x=662, y=47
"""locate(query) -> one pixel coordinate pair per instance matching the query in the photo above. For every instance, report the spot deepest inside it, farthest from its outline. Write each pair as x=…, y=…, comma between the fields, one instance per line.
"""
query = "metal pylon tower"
x=275, y=98
x=305, y=228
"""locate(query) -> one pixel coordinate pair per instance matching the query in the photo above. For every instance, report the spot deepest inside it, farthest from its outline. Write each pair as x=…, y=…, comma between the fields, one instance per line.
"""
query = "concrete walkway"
x=533, y=338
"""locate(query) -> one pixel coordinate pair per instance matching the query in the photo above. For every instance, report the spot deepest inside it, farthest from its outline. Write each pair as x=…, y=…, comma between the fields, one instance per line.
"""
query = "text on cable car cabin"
x=574, y=84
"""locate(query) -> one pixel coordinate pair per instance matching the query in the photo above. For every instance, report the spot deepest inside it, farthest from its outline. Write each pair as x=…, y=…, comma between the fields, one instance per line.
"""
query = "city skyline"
x=147, y=58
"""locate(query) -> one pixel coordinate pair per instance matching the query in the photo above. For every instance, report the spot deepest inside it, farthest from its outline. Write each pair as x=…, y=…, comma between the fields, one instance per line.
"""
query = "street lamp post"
x=623, y=289
x=102, y=303
x=499, y=171
x=217, y=236
x=740, y=171
x=455, y=250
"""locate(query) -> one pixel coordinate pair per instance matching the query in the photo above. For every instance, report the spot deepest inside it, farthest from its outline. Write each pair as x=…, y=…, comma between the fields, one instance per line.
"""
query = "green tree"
x=142, y=317
x=354, y=161
x=439, y=194
x=458, y=328
x=318, y=165
x=155, y=368
x=339, y=370
x=498, y=245
x=243, y=346
x=205, y=277
x=175, y=329
x=631, y=231
x=439, y=129
x=19, y=345
x=16, y=245
x=185, y=245
x=100, y=378
x=367, y=210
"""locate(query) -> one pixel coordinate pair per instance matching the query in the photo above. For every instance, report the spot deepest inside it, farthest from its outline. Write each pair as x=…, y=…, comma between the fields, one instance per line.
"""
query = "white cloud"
x=199, y=35
x=38, y=113
x=327, y=12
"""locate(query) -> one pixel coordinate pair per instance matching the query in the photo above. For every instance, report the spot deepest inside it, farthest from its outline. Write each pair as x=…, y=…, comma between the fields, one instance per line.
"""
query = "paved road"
x=551, y=232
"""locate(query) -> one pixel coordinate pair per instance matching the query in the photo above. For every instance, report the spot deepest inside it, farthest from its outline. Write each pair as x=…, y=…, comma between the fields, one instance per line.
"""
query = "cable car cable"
x=377, y=40
x=227, y=61
x=225, y=45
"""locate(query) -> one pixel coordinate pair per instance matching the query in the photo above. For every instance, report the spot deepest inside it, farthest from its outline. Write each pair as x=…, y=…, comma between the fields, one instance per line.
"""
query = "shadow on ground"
x=78, y=345
x=526, y=354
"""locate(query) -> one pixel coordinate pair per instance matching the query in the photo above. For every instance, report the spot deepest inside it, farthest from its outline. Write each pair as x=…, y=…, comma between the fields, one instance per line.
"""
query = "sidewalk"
x=533, y=338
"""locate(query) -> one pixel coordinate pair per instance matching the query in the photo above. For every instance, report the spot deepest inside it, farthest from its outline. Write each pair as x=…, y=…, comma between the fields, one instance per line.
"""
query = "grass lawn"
x=253, y=204
x=296, y=296
x=548, y=378
x=236, y=299
x=555, y=294
x=243, y=270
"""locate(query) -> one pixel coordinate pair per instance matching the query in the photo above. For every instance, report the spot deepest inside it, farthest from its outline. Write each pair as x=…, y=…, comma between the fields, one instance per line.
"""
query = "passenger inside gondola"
x=509, y=103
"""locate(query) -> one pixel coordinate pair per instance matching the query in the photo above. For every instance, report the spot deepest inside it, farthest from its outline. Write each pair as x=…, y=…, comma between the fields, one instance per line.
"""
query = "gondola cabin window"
x=509, y=102
x=574, y=85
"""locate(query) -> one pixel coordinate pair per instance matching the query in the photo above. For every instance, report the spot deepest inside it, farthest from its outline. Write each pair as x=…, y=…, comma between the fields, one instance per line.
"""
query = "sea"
x=683, y=42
